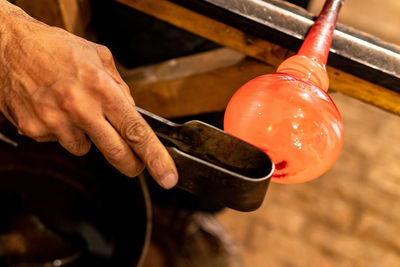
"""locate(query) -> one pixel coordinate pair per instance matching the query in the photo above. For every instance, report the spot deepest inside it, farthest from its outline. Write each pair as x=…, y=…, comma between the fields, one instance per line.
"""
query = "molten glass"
x=288, y=114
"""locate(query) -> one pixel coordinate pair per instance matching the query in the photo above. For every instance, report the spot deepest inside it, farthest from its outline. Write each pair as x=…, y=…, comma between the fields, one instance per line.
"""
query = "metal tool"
x=213, y=164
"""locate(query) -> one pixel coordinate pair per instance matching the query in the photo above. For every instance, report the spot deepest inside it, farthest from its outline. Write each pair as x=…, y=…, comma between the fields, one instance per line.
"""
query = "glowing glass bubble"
x=288, y=114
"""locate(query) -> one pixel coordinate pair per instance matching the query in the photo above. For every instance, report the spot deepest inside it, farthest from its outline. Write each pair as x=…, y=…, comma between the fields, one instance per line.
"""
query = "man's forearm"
x=6, y=10
x=15, y=26
x=8, y=22
x=5, y=17
x=8, y=14
x=5, y=7
x=12, y=17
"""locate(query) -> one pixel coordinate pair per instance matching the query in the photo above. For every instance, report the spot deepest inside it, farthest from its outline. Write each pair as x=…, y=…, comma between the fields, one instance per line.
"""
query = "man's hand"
x=55, y=86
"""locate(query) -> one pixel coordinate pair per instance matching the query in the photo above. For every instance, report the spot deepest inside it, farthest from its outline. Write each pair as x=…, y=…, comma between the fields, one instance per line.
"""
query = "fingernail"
x=169, y=181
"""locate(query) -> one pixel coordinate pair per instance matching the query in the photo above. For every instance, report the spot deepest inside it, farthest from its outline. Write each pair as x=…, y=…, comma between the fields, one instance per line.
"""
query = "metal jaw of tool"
x=213, y=164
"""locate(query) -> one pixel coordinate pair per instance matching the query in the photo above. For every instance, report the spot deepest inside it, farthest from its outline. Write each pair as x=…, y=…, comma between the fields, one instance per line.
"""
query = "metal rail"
x=277, y=21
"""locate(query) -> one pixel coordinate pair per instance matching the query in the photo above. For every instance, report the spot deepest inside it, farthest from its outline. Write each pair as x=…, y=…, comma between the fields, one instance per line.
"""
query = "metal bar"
x=282, y=23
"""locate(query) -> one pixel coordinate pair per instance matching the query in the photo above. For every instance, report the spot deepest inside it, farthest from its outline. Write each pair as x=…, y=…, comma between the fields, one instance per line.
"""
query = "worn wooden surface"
x=72, y=15
x=205, y=83
x=262, y=50
x=194, y=84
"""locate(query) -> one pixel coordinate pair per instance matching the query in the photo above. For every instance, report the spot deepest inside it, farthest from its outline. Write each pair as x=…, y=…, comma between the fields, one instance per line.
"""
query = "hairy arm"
x=55, y=86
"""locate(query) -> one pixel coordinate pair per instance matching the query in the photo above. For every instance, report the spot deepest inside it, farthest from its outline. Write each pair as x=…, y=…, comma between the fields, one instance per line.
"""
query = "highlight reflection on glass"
x=288, y=114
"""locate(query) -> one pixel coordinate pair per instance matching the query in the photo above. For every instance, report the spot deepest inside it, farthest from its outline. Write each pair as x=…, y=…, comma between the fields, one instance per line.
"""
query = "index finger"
x=141, y=138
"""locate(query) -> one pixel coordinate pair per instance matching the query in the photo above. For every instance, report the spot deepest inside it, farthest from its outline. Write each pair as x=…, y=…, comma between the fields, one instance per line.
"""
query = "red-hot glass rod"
x=288, y=114
x=318, y=41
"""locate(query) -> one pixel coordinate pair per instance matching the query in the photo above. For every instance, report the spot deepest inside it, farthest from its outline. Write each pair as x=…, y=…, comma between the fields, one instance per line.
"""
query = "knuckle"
x=99, y=83
x=137, y=170
x=50, y=119
x=98, y=78
x=104, y=52
x=116, y=154
x=32, y=133
x=67, y=100
x=78, y=147
x=137, y=132
x=32, y=130
x=72, y=105
x=154, y=161
x=83, y=148
x=48, y=138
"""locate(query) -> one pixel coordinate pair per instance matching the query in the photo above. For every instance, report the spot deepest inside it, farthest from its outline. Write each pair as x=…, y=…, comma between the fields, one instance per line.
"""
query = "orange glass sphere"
x=288, y=114
x=292, y=120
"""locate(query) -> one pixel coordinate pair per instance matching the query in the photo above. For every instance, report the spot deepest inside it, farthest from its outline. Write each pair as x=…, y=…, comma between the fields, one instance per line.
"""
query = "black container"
x=60, y=210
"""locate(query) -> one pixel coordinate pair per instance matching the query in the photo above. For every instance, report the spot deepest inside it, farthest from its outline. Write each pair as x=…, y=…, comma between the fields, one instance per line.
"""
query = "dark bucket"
x=61, y=210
